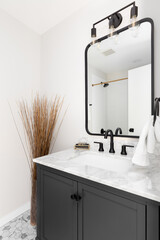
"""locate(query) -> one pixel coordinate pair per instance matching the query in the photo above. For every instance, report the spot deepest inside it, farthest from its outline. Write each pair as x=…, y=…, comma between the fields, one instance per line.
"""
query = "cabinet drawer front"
x=58, y=212
x=103, y=216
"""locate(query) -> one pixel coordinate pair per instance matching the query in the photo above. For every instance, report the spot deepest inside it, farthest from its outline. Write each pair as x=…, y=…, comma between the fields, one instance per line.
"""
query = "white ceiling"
x=41, y=15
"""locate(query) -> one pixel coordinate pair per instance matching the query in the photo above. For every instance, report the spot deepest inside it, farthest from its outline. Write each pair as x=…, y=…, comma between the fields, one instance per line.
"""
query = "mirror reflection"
x=120, y=82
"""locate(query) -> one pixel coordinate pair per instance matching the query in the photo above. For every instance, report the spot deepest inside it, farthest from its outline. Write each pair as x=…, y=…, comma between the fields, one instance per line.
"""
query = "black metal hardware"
x=118, y=130
x=76, y=197
x=102, y=131
x=156, y=110
x=123, y=151
x=93, y=32
x=108, y=17
x=131, y=130
x=73, y=196
x=110, y=133
x=149, y=20
x=115, y=20
x=134, y=11
x=101, y=149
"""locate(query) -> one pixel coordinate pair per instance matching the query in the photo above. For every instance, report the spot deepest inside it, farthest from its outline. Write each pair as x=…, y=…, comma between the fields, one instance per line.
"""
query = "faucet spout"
x=110, y=133
x=118, y=130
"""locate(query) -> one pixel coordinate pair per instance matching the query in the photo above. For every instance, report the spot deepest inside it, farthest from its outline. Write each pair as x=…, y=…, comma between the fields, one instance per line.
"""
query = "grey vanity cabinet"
x=97, y=215
x=57, y=213
x=103, y=216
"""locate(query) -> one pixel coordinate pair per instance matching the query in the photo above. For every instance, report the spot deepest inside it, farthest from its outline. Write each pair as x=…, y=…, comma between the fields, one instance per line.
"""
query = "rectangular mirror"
x=119, y=81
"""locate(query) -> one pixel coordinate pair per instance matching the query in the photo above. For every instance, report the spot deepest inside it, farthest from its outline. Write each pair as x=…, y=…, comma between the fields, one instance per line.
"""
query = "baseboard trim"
x=14, y=214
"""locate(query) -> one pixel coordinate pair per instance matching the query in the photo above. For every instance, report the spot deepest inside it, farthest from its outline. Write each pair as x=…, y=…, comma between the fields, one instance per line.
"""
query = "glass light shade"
x=111, y=30
x=134, y=26
x=93, y=40
x=133, y=21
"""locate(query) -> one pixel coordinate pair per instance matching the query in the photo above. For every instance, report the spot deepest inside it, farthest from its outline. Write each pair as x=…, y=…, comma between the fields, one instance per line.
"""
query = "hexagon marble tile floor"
x=19, y=228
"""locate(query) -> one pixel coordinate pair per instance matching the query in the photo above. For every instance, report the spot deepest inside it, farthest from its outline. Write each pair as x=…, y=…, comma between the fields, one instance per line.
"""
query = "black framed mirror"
x=119, y=80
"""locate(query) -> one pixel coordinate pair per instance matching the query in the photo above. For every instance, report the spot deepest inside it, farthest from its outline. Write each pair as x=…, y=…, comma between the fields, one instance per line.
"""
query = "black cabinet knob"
x=73, y=196
x=76, y=197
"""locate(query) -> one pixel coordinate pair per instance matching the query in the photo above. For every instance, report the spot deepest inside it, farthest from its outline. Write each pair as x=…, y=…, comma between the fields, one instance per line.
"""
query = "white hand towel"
x=157, y=129
x=140, y=156
x=151, y=139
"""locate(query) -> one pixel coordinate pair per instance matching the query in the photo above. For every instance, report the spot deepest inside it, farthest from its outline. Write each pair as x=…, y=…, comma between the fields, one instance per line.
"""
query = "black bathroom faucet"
x=118, y=130
x=110, y=133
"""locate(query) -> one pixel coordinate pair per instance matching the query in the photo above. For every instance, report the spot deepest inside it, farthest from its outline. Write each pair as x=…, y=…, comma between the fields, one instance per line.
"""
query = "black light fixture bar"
x=108, y=17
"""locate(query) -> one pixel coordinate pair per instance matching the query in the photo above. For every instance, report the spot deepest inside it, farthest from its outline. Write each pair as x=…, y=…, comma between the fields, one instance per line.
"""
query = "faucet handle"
x=102, y=131
x=123, y=151
x=101, y=149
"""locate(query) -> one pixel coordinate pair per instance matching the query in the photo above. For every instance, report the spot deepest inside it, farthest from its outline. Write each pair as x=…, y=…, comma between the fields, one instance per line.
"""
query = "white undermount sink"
x=111, y=163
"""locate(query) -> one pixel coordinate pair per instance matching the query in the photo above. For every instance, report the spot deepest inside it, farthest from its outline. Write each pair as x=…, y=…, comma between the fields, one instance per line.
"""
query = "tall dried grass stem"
x=20, y=137
x=39, y=120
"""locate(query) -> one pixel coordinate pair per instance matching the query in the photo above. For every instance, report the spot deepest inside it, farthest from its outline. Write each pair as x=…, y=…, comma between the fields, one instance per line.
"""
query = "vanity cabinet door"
x=103, y=216
x=57, y=212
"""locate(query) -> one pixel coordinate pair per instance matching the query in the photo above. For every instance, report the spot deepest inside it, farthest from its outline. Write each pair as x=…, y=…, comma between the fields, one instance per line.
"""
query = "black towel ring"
x=156, y=110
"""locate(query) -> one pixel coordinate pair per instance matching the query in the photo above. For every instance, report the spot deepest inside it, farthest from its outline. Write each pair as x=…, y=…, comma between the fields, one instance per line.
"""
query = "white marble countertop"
x=142, y=181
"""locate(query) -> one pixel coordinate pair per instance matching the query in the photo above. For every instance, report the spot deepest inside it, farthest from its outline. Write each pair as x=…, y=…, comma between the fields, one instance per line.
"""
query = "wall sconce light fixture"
x=115, y=19
x=134, y=14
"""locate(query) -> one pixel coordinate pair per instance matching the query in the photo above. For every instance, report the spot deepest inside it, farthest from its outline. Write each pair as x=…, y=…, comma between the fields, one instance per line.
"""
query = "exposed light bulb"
x=93, y=40
x=99, y=46
x=134, y=26
x=115, y=38
x=134, y=21
x=135, y=31
x=111, y=31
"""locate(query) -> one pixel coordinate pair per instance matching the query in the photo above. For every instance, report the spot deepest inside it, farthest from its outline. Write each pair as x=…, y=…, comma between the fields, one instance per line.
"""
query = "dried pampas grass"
x=39, y=120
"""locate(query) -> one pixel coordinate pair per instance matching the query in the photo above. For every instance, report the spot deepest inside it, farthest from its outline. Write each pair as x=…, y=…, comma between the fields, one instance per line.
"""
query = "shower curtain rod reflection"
x=102, y=83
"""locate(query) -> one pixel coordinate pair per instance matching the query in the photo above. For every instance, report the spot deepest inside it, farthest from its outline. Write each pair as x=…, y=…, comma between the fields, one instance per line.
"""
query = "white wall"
x=63, y=60
x=19, y=76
